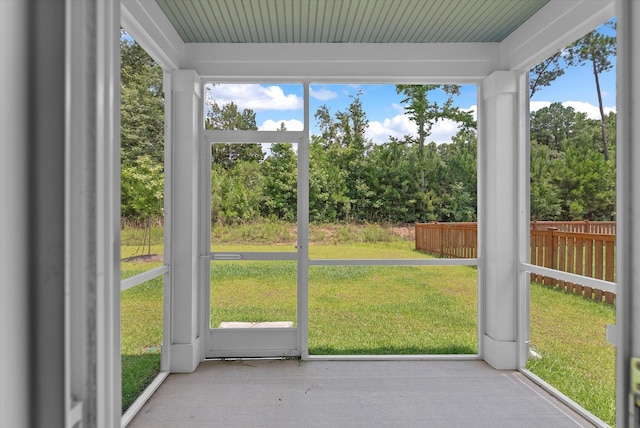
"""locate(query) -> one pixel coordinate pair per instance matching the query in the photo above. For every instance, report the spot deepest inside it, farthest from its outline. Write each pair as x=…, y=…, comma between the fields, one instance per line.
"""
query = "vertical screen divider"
x=303, y=233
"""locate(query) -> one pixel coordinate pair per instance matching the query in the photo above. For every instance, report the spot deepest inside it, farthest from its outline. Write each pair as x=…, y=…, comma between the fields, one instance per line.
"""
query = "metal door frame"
x=258, y=342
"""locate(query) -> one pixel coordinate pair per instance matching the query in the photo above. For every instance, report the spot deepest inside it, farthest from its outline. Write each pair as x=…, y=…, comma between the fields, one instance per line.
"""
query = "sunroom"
x=490, y=44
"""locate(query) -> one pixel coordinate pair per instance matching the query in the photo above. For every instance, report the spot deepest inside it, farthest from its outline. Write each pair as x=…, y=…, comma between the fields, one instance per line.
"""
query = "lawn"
x=140, y=319
x=141, y=331
x=357, y=309
x=392, y=310
x=373, y=309
x=568, y=332
x=141, y=337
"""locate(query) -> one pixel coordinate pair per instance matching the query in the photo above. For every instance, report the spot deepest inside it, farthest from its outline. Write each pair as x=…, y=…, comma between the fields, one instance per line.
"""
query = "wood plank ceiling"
x=347, y=21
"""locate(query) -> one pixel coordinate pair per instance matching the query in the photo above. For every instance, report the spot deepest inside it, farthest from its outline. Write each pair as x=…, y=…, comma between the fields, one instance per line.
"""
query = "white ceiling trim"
x=150, y=27
x=554, y=27
x=345, y=62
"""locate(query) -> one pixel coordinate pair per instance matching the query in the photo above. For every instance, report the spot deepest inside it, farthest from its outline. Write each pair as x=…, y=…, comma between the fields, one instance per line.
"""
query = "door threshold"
x=264, y=324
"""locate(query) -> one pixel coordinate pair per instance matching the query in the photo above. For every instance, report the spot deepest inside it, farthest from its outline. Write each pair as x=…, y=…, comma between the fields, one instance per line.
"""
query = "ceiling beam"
x=363, y=63
x=150, y=27
x=555, y=26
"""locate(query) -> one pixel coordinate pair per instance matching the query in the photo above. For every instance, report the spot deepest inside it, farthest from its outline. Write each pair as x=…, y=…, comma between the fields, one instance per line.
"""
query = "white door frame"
x=259, y=342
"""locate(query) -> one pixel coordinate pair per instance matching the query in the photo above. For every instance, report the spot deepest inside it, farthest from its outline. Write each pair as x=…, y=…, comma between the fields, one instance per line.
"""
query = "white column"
x=185, y=352
x=59, y=224
x=627, y=337
x=92, y=213
x=15, y=310
x=498, y=218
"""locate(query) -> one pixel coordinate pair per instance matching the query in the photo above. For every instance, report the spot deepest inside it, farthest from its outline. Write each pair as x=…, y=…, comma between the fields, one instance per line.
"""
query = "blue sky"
x=275, y=104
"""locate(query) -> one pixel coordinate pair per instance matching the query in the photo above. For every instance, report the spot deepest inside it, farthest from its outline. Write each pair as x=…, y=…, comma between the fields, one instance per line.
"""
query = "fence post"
x=549, y=254
x=554, y=248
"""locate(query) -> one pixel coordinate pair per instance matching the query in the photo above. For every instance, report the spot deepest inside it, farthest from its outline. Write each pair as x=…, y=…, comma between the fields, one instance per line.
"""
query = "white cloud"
x=397, y=127
x=255, y=97
x=592, y=111
x=537, y=105
x=322, y=94
x=443, y=131
x=401, y=125
x=474, y=111
x=274, y=125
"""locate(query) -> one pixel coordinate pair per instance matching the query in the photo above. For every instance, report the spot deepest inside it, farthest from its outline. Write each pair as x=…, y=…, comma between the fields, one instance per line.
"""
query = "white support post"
x=303, y=234
x=185, y=352
x=16, y=407
x=627, y=332
x=524, y=220
x=59, y=251
x=204, y=243
x=92, y=208
x=498, y=188
x=168, y=197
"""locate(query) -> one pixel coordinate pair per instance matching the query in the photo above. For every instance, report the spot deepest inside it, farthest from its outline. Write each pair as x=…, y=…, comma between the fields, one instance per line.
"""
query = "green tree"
x=459, y=178
x=141, y=136
x=555, y=124
x=142, y=105
x=353, y=124
x=142, y=190
x=596, y=50
x=544, y=73
x=229, y=118
x=545, y=197
x=343, y=139
x=236, y=193
x=391, y=177
x=328, y=200
x=280, y=183
x=326, y=125
x=430, y=201
x=425, y=112
x=586, y=183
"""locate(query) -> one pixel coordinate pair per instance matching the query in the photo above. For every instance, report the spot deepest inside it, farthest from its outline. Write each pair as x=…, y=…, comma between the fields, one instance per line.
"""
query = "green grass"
x=259, y=232
x=280, y=233
x=132, y=239
x=356, y=309
x=253, y=291
x=141, y=313
x=352, y=309
x=370, y=310
x=392, y=310
x=568, y=331
x=141, y=333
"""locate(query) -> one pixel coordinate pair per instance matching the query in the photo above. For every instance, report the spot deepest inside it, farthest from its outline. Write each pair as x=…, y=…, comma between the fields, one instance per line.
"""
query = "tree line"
x=570, y=177
x=351, y=179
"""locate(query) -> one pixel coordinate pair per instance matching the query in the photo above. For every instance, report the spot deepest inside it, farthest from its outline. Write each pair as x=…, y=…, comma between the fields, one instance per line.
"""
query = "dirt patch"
x=145, y=258
x=407, y=232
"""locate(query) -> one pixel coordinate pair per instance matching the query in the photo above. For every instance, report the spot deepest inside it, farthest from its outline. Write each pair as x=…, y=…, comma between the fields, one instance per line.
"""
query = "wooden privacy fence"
x=569, y=250
x=451, y=240
x=598, y=227
x=586, y=254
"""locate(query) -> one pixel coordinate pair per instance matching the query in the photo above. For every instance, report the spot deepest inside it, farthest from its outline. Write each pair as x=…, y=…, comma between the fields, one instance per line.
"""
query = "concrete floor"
x=293, y=393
